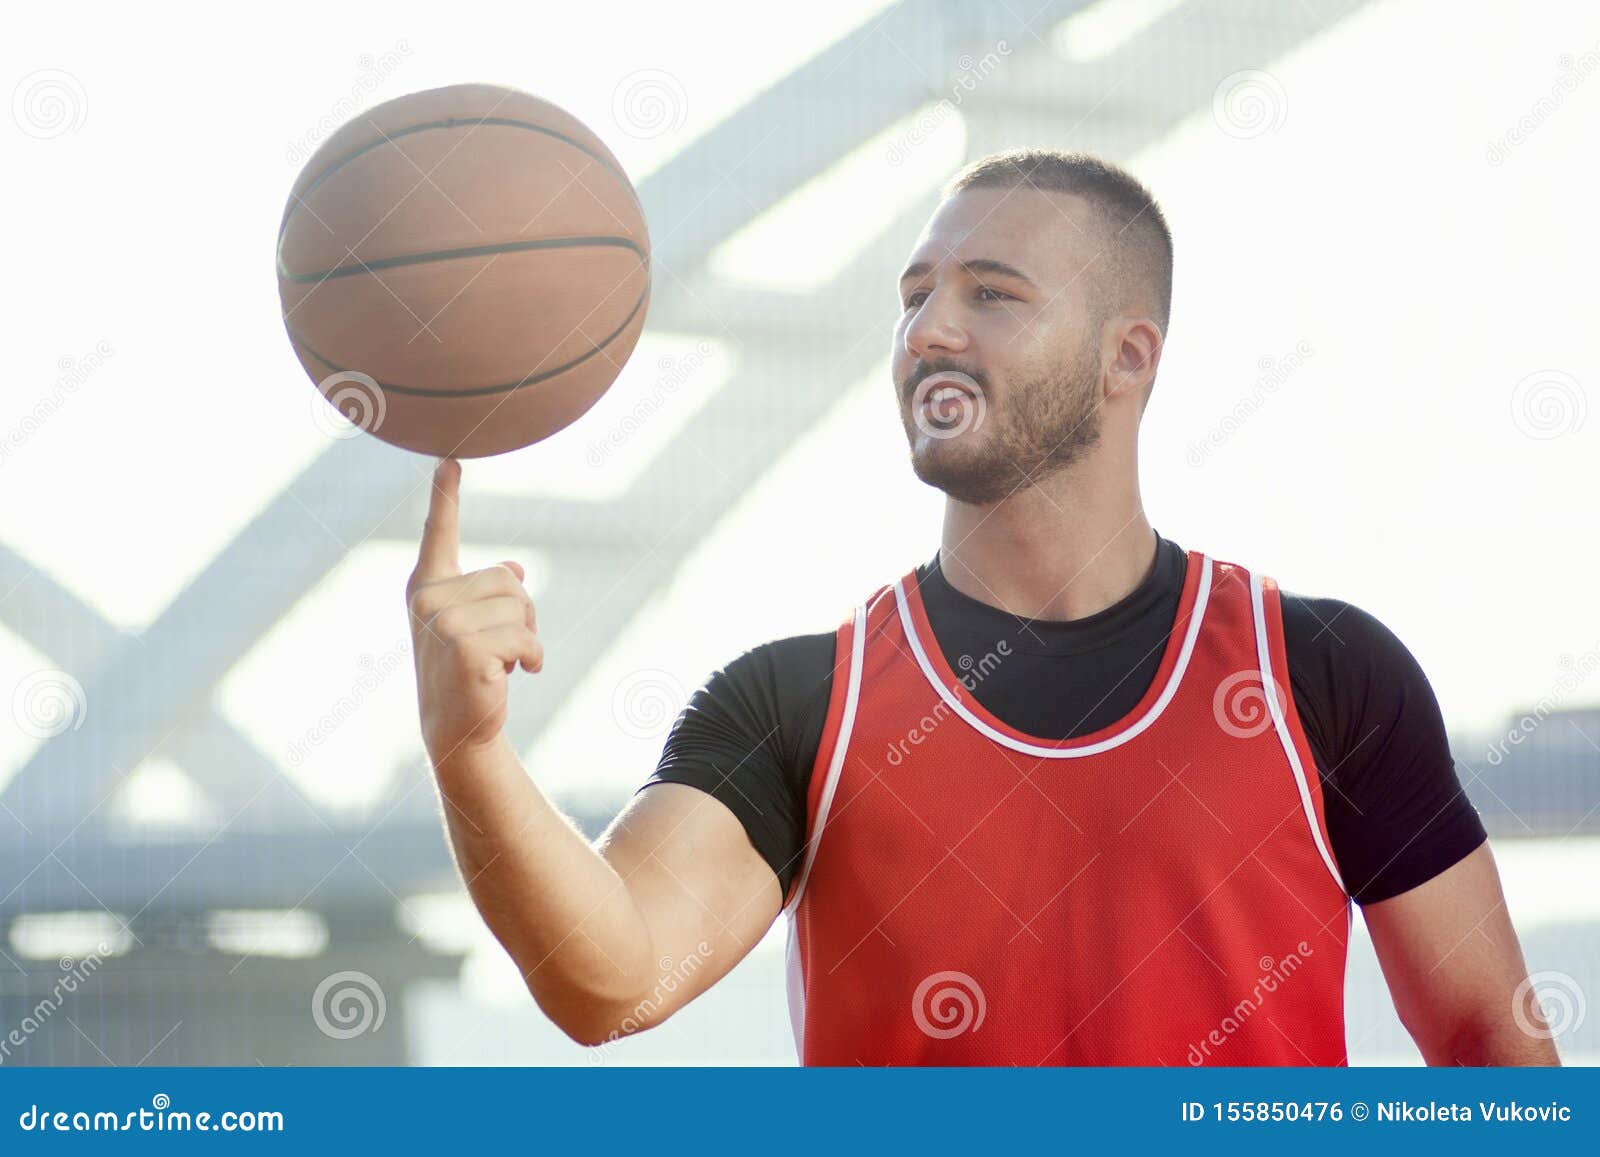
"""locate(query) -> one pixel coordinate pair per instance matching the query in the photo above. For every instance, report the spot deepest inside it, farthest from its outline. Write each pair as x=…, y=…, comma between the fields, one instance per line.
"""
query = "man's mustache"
x=920, y=373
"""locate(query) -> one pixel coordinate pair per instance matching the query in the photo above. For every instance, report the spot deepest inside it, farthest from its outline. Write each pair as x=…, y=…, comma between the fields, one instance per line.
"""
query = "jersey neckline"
x=1159, y=590
x=1179, y=647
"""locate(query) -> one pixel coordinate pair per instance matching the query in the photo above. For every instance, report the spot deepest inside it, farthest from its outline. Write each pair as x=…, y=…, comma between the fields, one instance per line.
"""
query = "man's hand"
x=469, y=631
x=609, y=940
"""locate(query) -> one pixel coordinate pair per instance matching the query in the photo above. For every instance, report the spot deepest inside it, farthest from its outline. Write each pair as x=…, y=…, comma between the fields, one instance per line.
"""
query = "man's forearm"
x=1500, y=1042
x=557, y=906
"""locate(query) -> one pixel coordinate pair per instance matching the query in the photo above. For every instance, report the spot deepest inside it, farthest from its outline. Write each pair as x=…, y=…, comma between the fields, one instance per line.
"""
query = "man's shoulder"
x=1334, y=630
x=1362, y=694
x=798, y=669
x=1341, y=632
x=799, y=655
x=787, y=654
x=778, y=676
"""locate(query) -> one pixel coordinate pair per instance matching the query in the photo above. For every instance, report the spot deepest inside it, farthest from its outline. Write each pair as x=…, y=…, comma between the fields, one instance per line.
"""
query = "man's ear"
x=1135, y=355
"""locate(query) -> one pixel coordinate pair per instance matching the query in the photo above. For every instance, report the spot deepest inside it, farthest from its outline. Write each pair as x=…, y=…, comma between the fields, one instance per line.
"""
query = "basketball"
x=463, y=271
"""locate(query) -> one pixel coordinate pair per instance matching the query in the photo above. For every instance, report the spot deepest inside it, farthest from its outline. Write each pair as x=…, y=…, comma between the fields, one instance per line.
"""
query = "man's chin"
x=960, y=476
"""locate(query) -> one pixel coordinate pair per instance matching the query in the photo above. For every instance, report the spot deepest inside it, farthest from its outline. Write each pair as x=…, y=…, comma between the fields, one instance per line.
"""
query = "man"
x=1067, y=793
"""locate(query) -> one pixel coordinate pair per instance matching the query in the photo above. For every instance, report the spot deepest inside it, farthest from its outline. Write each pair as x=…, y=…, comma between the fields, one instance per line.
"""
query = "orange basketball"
x=463, y=271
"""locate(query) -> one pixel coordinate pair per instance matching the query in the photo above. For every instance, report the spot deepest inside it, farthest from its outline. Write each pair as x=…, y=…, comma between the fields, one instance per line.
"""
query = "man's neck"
x=1043, y=555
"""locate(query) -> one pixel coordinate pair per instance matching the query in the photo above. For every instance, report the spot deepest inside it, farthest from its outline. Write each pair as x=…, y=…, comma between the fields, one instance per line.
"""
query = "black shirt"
x=1395, y=811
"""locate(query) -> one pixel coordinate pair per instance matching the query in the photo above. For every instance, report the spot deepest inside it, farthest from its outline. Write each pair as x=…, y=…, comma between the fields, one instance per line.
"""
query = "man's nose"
x=933, y=331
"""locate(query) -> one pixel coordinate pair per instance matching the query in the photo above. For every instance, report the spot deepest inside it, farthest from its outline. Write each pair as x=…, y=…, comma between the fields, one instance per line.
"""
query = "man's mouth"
x=947, y=403
x=945, y=386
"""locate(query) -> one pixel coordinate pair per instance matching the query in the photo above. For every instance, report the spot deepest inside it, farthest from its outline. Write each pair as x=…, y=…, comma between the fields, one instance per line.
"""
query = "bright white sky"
x=1387, y=470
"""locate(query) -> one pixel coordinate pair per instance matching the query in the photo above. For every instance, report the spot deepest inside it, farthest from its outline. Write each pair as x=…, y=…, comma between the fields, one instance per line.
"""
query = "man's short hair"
x=1138, y=243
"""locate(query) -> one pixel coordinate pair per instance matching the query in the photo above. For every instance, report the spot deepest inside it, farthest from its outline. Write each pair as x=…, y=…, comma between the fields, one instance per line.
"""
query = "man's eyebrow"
x=976, y=265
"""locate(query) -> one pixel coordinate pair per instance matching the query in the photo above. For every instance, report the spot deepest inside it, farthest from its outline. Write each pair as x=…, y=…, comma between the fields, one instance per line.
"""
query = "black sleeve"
x=1397, y=815
x=749, y=737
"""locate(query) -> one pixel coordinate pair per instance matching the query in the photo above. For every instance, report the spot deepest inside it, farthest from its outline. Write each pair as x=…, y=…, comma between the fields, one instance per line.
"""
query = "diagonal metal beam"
x=146, y=689
x=225, y=764
x=819, y=113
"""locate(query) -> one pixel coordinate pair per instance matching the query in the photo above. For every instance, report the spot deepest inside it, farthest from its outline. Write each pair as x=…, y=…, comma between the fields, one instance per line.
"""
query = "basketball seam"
x=432, y=255
x=481, y=391
x=429, y=126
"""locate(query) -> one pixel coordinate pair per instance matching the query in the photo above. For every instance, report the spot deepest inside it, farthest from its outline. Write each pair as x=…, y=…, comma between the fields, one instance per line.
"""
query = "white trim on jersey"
x=1149, y=717
x=847, y=722
x=841, y=744
x=1281, y=723
x=795, y=982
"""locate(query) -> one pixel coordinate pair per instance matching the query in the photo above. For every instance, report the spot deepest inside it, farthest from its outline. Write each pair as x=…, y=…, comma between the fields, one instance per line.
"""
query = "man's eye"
x=915, y=299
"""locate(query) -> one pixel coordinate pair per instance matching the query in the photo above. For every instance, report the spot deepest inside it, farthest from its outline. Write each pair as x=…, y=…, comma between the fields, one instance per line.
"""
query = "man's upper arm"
x=709, y=844
x=704, y=892
x=749, y=737
x=1455, y=969
x=1410, y=845
x=1396, y=812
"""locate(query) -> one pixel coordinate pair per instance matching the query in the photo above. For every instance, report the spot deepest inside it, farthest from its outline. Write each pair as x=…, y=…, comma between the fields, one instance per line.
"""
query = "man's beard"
x=1047, y=422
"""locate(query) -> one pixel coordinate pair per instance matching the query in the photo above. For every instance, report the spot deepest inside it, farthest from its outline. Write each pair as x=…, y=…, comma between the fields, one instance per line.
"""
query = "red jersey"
x=1158, y=892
